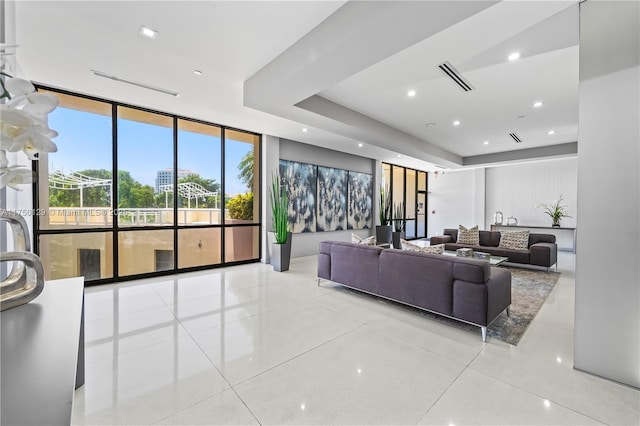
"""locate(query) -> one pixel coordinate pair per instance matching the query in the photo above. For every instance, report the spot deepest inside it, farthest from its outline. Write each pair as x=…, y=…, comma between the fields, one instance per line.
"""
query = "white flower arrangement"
x=23, y=127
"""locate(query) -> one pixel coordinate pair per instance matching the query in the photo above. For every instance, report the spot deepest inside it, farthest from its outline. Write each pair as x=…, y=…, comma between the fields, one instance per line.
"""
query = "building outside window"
x=145, y=219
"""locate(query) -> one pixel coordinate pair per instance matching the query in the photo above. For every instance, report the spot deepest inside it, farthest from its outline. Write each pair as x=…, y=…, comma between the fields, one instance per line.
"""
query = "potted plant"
x=556, y=211
x=281, y=248
x=383, y=231
x=399, y=224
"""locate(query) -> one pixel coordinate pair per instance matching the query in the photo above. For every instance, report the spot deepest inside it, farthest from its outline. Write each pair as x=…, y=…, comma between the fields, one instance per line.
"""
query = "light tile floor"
x=247, y=345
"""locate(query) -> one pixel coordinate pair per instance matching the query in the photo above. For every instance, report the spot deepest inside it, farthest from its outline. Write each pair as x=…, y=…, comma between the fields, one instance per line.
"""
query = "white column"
x=270, y=165
x=607, y=314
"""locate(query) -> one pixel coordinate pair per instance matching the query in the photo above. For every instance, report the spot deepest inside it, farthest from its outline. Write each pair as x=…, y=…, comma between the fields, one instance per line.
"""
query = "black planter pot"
x=396, y=236
x=383, y=234
x=555, y=225
x=281, y=255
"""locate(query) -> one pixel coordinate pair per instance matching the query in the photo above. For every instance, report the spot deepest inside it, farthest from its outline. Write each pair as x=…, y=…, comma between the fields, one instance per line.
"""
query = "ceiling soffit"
x=322, y=79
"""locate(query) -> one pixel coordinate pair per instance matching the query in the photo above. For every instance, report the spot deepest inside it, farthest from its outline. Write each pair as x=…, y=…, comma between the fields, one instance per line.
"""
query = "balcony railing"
x=103, y=216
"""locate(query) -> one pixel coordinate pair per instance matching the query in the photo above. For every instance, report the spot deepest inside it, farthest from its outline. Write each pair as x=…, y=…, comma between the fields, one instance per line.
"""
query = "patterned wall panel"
x=360, y=209
x=327, y=199
x=300, y=180
x=332, y=199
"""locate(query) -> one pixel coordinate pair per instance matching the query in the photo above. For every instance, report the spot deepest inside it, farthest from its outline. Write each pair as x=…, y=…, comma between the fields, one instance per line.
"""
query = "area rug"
x=529, y=290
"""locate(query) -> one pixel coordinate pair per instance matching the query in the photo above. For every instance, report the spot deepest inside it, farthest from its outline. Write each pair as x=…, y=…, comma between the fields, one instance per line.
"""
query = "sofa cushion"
x=515, y=240
x=516, y=256
x=541, y=238
x=423, y=280
x=489, y=238
x=369, y=241
x=406, y=245
x=452, y=232
x=468, y=236
x=471, y=270
x=355, y=265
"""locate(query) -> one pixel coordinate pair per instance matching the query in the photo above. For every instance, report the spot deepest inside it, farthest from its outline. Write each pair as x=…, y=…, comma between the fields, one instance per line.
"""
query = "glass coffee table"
x=493, y=260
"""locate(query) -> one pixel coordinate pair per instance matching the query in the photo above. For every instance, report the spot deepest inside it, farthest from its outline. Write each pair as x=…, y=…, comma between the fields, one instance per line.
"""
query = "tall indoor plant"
x=399, y=224
x=281, y=248
x=383, y=231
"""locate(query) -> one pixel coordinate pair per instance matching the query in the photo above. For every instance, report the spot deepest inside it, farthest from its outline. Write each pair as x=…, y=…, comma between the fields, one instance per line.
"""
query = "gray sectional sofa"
x=468, y=290
x=542, y=251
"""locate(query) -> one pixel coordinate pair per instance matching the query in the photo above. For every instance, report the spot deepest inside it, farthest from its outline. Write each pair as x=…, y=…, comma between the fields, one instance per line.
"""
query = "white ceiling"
x=341, y=69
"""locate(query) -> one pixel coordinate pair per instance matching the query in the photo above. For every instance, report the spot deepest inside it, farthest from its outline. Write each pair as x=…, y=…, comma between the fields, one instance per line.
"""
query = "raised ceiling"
x=340, y=69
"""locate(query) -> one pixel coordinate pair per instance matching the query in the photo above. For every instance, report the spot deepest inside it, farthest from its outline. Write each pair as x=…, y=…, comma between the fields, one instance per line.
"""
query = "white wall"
x=517, y=189
x=306, y=244
x=269, y=166
x=455, y=198
x=607, y=318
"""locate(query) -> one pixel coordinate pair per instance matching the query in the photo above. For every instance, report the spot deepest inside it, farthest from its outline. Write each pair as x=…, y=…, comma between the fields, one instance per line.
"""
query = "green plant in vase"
x=279, y=209
x=555, y=210
x=385, y=206
x=281, y=249
x=399, y=223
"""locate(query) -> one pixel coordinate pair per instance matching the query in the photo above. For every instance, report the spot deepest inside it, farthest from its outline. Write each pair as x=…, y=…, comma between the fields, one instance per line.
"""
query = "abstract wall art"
x=325, y=198
x=300, y=181
x=360, y=203
x=332, y=199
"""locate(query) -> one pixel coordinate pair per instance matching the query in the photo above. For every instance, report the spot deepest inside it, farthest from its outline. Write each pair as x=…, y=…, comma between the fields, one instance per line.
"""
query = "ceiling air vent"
x=455, y=76
x=134, y=83
x=515, y=137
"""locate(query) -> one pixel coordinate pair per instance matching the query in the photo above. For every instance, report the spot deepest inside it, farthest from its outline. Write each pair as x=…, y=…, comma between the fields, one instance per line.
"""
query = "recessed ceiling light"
x=431, y=125
x=514, y=56
x=399, y=155
x=537, y=104
x=551, y=132
x=305, y=130
x=360, y=145
x=521, y=116
x=486, y=142
x=411, y=93
x=148, y=32
x=197, y=72
x=456, y=123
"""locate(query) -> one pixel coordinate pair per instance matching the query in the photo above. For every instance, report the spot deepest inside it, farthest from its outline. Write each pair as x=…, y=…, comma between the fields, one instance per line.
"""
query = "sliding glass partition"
x=182, y=196
x=409, y=198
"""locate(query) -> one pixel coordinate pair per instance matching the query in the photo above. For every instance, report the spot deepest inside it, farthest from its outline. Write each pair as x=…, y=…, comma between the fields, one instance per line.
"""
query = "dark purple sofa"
x=542, y=251
x=468, y=290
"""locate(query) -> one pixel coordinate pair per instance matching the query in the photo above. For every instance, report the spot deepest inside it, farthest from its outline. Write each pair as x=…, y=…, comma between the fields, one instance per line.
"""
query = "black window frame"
x=175, y=227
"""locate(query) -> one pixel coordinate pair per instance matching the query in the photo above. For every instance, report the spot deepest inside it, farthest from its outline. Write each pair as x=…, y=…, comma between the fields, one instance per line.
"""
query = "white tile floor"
x=247, y=345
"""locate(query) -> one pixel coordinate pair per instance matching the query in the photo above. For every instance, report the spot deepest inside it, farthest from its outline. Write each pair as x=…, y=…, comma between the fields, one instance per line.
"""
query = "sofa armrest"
x=441, y=239
x=498, y=292
x=543, y=254
x=324, y=260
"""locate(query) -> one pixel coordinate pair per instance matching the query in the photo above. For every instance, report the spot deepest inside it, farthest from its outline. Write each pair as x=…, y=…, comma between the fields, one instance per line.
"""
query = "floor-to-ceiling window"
x=408, y=191
x=199, y=194
x=133, y=192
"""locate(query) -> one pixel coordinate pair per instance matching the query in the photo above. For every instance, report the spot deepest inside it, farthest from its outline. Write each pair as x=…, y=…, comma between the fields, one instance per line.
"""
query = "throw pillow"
x=406, y=245
x=370, y=241
x=515, y=240
x=469, y=236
